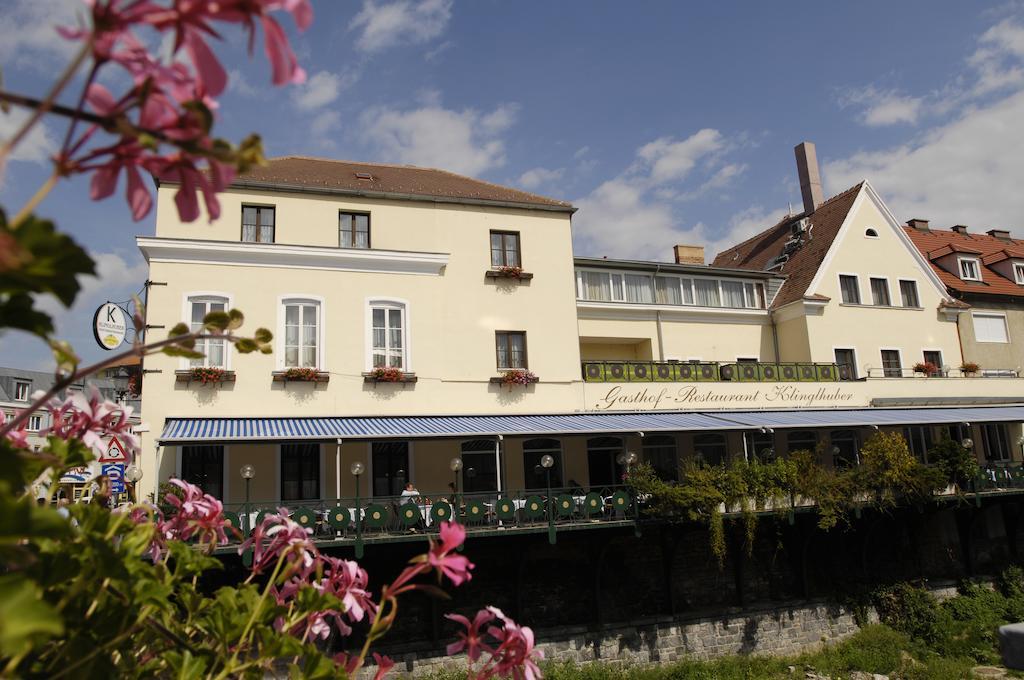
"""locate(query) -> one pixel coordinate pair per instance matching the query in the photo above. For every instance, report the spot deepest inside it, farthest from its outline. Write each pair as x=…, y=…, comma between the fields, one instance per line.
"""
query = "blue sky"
x=665, y=122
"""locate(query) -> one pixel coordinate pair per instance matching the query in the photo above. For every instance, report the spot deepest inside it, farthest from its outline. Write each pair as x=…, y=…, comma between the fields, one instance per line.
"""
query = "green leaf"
x=217, y=321
x=263, y=335
x=179, y=329
x=236, y=320
x=25, y=618
x=246, y=345
x=182, y=351
x=36, y=258
x=16, y=311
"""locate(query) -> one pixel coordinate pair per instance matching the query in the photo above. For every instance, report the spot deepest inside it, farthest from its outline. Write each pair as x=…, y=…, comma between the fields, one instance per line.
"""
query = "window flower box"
x=508, y=273
x=969, y=368
x=515, y=376
x=204, y=375
x=301, y=375
x=389, y=375
x=926, y=368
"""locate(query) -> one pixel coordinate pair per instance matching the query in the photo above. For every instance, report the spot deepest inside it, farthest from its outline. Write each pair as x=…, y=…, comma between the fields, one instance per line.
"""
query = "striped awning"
x=186, y=430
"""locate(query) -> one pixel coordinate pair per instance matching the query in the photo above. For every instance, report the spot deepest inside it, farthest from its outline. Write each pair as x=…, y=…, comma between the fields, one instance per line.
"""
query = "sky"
x=663, y=122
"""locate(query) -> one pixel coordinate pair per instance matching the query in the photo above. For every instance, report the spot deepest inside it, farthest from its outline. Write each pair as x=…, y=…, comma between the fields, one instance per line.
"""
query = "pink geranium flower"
x=516, y=655
x=195, y=515
x=92, y=419
x=276, y=536
x=470, y=640
x=17, y=437
x=455, y=567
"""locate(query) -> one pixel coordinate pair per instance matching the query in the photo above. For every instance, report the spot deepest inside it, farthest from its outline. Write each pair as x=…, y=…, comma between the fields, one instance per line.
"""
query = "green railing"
x=712, y=371
x=361, y=519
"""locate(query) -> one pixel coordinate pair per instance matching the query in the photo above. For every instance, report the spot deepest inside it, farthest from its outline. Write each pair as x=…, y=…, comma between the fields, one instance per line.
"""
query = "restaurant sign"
x=761, y=395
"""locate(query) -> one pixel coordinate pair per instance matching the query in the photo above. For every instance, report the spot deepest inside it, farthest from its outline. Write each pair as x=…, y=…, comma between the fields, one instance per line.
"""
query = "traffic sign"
x=115, y=472
x=114, y=453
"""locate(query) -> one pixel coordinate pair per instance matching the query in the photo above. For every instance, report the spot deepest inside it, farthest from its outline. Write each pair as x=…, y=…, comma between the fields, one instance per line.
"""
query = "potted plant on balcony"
x=926, y=368
x=388, y=374
x=516, y=376
x=969, y=368
x=301, y=374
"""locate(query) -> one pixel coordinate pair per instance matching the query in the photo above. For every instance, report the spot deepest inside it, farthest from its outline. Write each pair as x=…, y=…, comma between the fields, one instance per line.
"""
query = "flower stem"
x=36, y=199
x=45, y=105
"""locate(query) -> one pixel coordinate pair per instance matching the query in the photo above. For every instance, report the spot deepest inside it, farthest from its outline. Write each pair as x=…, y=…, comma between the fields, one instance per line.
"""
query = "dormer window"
x=870, y=233
x=970, y=269
x=1018, y=272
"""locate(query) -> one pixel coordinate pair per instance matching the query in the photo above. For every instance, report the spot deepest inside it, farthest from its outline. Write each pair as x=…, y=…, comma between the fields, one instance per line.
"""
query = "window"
x=995, y=441
x=850, y=289
x=990, y=327
x=880, y=292
x=892, y=367
x=204, y=467
x=389, y=463
x=35, y=423
x=870, y=233
x=199, y=307
x=1018, y=272
x=605, y=470
x=638, y=288
x=710, y=448
x=706, y=292
x=479, y=466
x=387, y=327
x=257, y=224
x=510, y=347
x=919, y=441
x=801, y=440
x=759, y=446
x=933, y=356
x=353, y=230
x=535, y=476
x=21, y=390
x=660, y=452
x=687, y=286
x=969, y=269
x=505, y=249
x=844, y=448
x=301, y=334
x=958, y=432
x=667, y=291
x=300, y=472
x=908, y=293
x=732, y=294
x=846, y=358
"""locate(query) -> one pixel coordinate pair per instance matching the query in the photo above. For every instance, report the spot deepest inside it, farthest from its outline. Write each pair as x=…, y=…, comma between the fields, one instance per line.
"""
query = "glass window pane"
x=248, y=233
x=291, y=314
x=362, y=223
x=707, y=292
x=395, y=318
x=639, y=288
x=346, y=239
x=362, y=239
x=309, y=315
x=687, y=286
x=378, y=317
x=732, y=294
x=248, y=215
x=291, y=335
x=596, y=286
x=667, y=289
x=496, y=243
x=198, y=312
x=291, y=356
x=267, y=217
x=378, y=358
x=309, y=356
x=378, y=338
x=266, y=234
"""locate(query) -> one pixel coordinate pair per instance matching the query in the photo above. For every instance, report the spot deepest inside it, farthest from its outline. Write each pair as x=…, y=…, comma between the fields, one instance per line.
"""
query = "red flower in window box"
x=518, y=376
x=512, y=272
x=387, y=374
x=207, y=375
x=302, y=374
x=969, y=368
x=926, y=367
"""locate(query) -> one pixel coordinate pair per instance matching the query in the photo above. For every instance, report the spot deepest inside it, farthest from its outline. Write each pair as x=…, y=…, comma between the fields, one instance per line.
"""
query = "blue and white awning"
x=187, y=430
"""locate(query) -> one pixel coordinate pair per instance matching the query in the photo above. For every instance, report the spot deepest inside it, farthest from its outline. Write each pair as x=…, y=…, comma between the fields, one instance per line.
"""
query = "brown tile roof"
x=758, y=252
x=395, y=181
x=991, y=250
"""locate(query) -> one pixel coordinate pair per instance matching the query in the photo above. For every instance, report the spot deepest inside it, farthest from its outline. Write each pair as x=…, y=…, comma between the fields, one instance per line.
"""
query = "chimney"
x=1001, y=234
x=689, y=254
x=920, y=225
x=810, y=180
x=960, y=229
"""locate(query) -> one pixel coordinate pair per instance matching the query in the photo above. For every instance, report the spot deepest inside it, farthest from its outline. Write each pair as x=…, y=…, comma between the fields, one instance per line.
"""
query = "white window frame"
x=977, y=268
x=856, y=360
x=688, y=292
x=301, y=298
x=35, y=422
x=388, y=303
x=18, y=385
x=1018, y=273
x=899, y=353
x=888, y=289
x=860, y=291
x=917, y=292
x=1006, y=327
x=186, y=311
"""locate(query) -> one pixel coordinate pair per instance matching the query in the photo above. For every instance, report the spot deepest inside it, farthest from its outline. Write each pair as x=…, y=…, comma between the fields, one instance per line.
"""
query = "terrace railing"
x=713, y=371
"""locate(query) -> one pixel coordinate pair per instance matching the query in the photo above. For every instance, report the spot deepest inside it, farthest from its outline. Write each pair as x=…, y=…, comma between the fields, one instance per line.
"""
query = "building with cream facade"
x=805, y=336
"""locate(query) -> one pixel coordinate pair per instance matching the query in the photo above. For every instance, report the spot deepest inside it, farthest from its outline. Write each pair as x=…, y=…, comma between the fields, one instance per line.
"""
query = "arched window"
x=870, y=233
x=604, y=470
x=388, y=328
x=534, y=476
x=710, y=448
x=801, y=440
x=660, y=453
x=302, y=325
x=479, y=466
x=844, y=448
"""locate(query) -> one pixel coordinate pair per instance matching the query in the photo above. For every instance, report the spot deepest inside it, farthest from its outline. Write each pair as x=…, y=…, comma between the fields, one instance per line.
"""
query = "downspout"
x=657, y=319
x=497, y=461
x=775, y=335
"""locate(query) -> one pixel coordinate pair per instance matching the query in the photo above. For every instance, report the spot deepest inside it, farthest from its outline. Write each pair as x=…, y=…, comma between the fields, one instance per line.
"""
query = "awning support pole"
x=337, y=472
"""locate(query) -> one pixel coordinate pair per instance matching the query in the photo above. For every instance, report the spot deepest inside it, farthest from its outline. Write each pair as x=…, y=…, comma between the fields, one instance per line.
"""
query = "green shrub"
x=873, y=649
x=958, y=464
x=910, y=610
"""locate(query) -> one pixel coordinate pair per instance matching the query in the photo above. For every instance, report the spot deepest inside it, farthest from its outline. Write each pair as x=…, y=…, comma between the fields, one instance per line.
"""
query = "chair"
x=564, y=505
x=440, y=512
x=593, y=504
x=476, y=511
x=305, y=517
x=534, y=508
x=338, y=519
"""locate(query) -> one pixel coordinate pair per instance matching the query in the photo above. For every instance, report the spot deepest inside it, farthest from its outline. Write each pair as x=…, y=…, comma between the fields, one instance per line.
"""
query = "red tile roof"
x=935, y=242
x=758, y=252
x=379, y=179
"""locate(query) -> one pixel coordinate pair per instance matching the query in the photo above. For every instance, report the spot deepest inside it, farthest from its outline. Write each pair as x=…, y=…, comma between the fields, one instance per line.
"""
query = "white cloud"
x=636, y=214
x=388, y=24
x=324, y=123
x=998, y=47
x=28, y=31
x=37, y=146
x=466, y=141
x=239, y=84
x=964, y=172
x=321, y=89
x=884, y=107
x=536, y=177
x=581, y=152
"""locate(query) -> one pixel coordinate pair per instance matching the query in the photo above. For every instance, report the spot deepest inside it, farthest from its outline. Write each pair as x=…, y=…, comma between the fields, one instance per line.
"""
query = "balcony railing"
x=706, y=371
x=357, y=520
x=947, y=372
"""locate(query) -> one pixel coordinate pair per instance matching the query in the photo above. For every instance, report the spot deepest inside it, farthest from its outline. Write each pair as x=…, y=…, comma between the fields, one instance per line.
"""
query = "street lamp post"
x=627, y=459
x=455, y=465
x=248, y=472
x=132, y=474
x=357, y=469
x=547, y=461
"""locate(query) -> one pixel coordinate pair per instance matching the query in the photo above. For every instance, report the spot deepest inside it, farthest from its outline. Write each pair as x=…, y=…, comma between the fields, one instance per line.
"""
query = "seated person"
x=410, y=494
